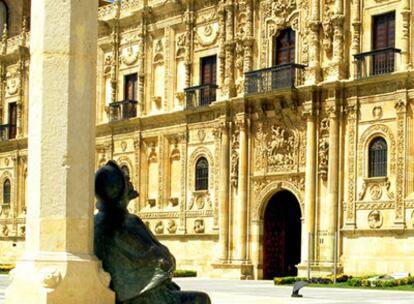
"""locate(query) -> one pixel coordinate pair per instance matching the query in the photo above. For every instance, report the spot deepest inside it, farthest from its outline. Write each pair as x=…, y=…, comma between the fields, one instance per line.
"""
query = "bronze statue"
x=141, y=268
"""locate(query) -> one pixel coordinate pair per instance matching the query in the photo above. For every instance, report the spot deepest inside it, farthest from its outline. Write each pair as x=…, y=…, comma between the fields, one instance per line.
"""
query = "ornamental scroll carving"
x=323, y=149
x=234, y=176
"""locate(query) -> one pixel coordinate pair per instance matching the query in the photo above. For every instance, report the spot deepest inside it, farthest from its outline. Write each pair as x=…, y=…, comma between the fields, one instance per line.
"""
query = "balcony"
x=7, y=132
x=122, y=110
x=377, y=62
x=200, y=96
x=282, y=76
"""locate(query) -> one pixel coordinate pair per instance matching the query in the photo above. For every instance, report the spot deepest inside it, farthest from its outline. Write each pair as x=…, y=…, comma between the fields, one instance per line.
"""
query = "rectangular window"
x=12, y=120
x=384, y=31
x=383, y=38
x=130, y=87
x=208, y=80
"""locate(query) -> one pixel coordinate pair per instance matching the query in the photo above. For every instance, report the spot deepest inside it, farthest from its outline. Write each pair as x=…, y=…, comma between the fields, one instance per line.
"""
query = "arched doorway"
x=281, y=236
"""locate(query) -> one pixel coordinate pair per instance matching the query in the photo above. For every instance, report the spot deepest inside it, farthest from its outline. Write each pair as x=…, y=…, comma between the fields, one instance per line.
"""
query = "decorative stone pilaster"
x=223, y=132
x=184, y=151
x=115, y=51
x=189, y=42
x=401, y=110
x=229, y=86
x=351, y=135
x=405, y=37
x=221, y=52
x=23, y=55
x=241, y=213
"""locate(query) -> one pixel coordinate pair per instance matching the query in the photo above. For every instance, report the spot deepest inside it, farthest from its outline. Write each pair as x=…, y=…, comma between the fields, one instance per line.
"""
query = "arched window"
x=201, y=174
x=377, y=157
x=6, y=192
x=3, y=16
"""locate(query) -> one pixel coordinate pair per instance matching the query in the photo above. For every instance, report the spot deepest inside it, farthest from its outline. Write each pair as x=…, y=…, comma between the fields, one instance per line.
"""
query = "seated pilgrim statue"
x=141, y=268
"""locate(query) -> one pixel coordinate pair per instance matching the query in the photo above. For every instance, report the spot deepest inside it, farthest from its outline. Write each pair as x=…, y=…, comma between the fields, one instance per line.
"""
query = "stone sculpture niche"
x=141, y=268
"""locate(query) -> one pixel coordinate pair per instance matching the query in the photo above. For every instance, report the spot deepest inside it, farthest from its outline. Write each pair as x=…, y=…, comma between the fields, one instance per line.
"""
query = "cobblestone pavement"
x=264, y=292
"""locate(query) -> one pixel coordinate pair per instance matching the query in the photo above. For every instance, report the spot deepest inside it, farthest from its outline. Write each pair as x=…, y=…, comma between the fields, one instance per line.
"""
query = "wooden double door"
x=282, y=236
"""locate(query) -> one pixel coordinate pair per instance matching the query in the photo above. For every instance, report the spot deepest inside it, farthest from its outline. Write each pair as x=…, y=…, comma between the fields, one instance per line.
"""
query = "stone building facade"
x=266, y=138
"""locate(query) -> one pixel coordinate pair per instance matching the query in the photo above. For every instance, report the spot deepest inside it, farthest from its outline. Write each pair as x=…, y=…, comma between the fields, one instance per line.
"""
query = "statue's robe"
x=141, y=267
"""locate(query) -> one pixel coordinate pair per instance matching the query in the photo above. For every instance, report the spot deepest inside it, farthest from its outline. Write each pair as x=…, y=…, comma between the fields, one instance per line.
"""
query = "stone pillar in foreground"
x=58, y=265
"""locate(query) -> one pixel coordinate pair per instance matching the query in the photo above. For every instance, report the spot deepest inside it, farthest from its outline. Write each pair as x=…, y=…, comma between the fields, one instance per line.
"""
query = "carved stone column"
x=115, y=51
x=338, y=44
x=333, y=165
x=314, y=69
x=229, y=86
x=58, y=264
x=310, y=177
x=241, y=214
x=356, y=38
x=224, y=192
x=221, y=53
x=141, y=70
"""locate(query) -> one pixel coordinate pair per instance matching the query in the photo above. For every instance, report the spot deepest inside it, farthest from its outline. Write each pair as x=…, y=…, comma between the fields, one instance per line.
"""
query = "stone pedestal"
x=58, y=265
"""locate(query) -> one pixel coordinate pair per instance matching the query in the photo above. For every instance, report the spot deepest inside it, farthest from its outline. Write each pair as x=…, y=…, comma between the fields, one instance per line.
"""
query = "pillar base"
x=233, y=270
x=318, y=269
x=45, y=277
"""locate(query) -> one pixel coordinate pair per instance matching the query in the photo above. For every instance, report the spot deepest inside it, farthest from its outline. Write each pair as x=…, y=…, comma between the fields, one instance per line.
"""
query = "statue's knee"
x=195, y=297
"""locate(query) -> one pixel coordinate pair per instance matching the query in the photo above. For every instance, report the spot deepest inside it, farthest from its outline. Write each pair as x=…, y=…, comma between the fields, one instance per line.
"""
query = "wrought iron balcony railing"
x=200, y=96
x=121, y=110
x=278, y=77
x=7, y=132
x=377, y=62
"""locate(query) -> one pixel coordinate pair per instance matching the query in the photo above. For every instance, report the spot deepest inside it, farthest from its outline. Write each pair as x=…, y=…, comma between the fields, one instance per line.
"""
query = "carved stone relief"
x=328, y=31
x=159, y=227
x=375, y=219
x=281, y=148
x=171, y=226
x=199, y=226
x=206, y=35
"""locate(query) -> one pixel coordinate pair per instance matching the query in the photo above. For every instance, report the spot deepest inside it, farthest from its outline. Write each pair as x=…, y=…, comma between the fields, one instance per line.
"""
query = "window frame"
x=369, y=169
x=7, y=202
x=204, y=180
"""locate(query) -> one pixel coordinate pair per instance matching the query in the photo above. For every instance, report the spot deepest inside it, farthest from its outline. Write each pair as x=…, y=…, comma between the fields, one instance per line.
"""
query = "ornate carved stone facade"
x=261, y=130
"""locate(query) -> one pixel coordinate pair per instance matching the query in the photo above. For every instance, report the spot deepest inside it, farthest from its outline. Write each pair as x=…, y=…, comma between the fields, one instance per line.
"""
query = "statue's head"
x=112, y=188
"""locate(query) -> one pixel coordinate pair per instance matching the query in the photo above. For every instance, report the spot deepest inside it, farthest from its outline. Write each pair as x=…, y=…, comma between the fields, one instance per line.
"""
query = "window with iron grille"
x=6, y=192
x=377, y=157
x=201, y=174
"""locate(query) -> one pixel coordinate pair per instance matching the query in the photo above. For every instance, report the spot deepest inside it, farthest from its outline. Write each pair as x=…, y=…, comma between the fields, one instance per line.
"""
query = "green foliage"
x=355, y=282
x=5, y=268
x=287, y=280
x=179, y=273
